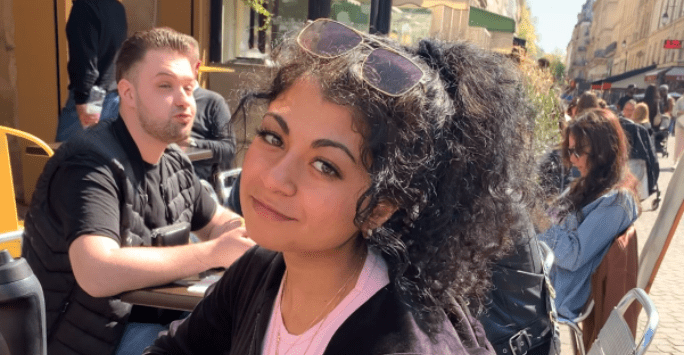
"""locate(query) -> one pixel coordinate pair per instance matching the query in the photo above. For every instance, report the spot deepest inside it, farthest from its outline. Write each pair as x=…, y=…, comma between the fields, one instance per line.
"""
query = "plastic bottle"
x=95, y=100
x=22, y=308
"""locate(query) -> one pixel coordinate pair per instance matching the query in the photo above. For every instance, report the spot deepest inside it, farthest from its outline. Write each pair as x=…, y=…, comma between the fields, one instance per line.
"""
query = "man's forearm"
x=102, y=268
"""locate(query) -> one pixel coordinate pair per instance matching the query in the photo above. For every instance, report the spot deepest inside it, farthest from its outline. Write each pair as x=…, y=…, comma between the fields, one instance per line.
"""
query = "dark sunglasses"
x=384, y=69
x=576, y=152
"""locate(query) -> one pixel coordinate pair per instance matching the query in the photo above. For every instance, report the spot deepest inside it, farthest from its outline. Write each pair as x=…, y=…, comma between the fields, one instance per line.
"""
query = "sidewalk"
x=667, y=291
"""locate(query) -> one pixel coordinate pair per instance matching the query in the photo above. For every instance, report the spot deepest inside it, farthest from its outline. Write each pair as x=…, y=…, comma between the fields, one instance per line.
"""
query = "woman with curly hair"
x=379, y=191
x=597, y=207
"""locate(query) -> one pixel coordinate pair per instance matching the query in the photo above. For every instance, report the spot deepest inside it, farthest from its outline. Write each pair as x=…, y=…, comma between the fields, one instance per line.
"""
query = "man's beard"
x=168, y=131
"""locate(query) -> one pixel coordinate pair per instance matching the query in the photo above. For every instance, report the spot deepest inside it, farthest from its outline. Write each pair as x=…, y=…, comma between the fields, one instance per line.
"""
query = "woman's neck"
x=315, y=283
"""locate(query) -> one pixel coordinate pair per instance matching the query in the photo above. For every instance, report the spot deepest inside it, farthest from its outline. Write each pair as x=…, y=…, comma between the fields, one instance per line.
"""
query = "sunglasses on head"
x=384, y=69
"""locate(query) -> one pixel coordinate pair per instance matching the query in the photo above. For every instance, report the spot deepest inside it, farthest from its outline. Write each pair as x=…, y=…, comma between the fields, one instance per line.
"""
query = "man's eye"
x=326, y=168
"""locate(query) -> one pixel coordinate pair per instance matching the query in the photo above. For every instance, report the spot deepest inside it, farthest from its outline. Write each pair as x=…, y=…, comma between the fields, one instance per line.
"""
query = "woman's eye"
x=270, y=138
x=325, y=168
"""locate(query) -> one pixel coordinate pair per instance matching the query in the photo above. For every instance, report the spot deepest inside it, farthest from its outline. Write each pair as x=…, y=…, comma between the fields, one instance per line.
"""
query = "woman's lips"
x=268, y=212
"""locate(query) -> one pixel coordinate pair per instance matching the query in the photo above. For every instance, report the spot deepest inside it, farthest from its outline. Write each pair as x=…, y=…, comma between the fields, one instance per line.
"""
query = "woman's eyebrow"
x=330, y=143
x=280, y=120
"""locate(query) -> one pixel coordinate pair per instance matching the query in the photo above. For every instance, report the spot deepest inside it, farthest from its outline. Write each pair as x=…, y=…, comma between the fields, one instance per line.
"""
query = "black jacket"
x=212, y=130
x=78, y=323
x=233, y=318
x=641, y=147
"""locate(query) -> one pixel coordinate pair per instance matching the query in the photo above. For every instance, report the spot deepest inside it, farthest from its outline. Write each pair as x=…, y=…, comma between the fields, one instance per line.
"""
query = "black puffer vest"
x=76, y=322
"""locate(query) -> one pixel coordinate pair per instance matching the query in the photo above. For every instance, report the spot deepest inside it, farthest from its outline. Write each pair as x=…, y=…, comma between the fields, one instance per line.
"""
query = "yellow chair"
x=9, y=221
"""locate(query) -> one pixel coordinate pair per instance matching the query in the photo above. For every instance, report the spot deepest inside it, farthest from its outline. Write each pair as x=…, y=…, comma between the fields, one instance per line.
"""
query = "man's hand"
x=228, y=247
x=87, y=119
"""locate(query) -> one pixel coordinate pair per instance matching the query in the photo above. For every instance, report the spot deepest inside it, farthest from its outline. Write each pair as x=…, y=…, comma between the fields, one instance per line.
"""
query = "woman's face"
x=302, y=175
x=578, y=158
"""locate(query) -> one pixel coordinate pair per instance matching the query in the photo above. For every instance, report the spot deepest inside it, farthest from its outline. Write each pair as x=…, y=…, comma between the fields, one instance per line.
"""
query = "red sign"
x=673, y=44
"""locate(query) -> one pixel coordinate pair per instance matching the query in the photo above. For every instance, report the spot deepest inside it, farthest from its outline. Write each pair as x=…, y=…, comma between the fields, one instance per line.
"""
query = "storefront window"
x=410, y=24
x=241, y=37
x=355, y=13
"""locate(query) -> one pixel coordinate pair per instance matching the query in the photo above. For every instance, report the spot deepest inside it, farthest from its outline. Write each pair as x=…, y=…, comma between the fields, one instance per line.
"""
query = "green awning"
x=490, y=21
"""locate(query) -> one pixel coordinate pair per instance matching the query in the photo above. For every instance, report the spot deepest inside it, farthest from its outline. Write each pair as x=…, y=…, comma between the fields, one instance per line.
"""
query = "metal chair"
x=10, y=227
x=573, y=324
x=224, y=182
x=616, y=337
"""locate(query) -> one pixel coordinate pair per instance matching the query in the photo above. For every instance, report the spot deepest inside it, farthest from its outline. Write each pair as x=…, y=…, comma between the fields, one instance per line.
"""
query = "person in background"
x=112, y=193
x=588, y=101
x=629, y=95
x=653, y=101
x=640, y=115
x=211, y=129
x=369, y=189
x=678, y=119
x=95, y=30
x=643, y=162
x=666, y=102
x=599, y=205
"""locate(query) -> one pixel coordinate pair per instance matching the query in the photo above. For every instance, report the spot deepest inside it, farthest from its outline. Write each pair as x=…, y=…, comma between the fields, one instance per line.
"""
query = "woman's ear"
x=381, y=213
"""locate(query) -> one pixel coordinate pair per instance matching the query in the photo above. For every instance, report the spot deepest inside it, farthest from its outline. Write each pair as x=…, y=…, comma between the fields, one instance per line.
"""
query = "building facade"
x=624, y=38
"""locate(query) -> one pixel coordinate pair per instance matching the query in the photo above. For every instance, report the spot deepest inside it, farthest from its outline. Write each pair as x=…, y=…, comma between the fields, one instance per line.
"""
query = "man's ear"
x=126, y=92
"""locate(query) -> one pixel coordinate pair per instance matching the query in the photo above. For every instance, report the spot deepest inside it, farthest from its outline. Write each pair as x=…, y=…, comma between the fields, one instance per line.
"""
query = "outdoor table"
x=171, y=296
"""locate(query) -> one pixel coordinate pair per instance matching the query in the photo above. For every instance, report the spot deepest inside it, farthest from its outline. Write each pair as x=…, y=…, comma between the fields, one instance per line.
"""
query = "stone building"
x=630, y=41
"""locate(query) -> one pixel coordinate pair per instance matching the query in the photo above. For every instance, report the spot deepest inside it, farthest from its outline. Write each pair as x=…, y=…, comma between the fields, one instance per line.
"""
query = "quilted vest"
x=76, y=322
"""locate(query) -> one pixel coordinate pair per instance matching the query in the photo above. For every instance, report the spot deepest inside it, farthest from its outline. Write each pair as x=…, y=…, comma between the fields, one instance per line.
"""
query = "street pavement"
x=667, y=292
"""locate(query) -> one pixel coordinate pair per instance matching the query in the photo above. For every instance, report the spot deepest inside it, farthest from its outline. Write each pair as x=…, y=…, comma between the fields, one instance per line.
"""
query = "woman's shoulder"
x=616, y=197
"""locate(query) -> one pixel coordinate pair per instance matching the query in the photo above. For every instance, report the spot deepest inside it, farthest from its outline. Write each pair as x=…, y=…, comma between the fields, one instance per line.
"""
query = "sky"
x=555, y=22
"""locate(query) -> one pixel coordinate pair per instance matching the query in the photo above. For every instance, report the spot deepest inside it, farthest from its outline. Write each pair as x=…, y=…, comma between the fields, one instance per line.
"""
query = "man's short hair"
x=631, y=86
x=133, y=50
x=664, y=87
x=629, y=102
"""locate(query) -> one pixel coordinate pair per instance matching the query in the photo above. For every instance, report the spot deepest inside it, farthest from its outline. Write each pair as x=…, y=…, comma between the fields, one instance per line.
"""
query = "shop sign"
x=673, y=44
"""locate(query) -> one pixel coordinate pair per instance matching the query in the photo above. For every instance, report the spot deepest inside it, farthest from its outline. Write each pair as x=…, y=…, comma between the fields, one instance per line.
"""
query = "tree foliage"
x=527, y=30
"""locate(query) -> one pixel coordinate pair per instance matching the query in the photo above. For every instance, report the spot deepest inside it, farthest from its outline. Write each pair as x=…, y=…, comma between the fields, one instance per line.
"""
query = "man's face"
x=164, y=95
x=631, y=91
x=628, y=110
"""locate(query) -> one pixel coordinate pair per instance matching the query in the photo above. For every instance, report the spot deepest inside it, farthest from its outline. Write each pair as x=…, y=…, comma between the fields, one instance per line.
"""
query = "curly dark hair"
x=453, y=154
x=597, y=132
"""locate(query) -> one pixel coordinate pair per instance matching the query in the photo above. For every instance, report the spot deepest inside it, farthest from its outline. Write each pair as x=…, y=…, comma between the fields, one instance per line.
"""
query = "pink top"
x=373, y=278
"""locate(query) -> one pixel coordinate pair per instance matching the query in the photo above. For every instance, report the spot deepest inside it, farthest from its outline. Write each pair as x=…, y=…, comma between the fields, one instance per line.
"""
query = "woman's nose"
x=281, y=177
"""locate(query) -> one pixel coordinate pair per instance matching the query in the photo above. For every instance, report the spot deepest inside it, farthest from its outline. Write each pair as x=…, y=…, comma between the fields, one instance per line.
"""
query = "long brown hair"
x=598, y=133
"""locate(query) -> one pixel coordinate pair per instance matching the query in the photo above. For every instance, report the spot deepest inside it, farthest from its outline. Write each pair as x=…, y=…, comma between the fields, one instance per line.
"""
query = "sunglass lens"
x=328, y=39
x=390, y=72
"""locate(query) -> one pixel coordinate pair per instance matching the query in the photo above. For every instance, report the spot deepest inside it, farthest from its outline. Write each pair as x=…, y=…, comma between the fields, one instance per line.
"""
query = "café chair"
x=616, y=337
x=574, y=326
x=10, y=226
x=224, y=182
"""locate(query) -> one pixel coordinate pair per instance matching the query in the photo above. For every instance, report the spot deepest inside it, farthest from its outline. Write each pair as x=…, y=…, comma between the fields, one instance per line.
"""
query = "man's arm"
x=103, y=268
x=85, y=199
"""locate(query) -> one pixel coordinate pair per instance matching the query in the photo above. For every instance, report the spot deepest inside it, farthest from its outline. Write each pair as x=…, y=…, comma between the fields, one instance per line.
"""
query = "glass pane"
x=410, y=24
x=355, y=13
x=241, y=38
x=289, y=16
